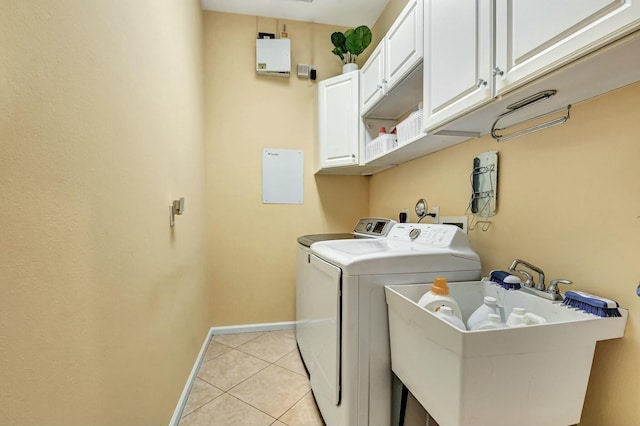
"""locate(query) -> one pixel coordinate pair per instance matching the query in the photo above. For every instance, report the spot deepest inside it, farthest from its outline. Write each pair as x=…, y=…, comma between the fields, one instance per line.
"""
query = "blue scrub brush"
x=592, y=304
x=505, y=280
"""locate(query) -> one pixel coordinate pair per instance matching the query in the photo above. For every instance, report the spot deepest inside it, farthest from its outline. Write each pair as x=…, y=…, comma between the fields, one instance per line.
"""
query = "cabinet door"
x=372, y=79
x=338, y=120
x=404, y=43
x=458, y=58
x=535, y=36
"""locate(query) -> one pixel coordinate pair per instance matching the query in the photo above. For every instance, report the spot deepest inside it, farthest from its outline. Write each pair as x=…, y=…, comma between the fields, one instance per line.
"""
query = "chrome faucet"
x=538, y=286
x=529, y=279
x=553, y=288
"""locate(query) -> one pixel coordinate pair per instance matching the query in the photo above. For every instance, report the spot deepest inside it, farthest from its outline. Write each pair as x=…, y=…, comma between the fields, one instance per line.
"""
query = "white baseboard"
x=250, y=328
x=231, y=329
x=177, y=414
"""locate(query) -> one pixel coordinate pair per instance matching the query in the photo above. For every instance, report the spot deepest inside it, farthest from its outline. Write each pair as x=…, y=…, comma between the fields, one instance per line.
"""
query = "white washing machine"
x=306, y=308
x=346, y=342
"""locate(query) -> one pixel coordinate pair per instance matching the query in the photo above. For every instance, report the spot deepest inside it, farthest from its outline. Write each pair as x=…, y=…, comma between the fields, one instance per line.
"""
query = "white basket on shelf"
x=410, y=127
x=380, y=145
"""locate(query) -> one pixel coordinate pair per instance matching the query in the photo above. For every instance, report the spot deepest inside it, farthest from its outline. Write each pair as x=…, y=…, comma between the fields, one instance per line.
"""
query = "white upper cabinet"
x=404, y=43
x=399, y=52
x=480, y=56
x=535, y=36
x=465, y=67
x=372, y=79
x=338, y=121
x=458, y=58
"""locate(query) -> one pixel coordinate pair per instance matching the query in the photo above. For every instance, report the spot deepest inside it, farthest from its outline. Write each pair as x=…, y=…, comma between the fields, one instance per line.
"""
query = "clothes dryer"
x=365, y=228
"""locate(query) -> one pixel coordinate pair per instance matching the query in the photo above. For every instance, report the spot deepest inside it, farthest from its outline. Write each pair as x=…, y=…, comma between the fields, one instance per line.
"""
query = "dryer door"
x=304, y=302
x=324, y=330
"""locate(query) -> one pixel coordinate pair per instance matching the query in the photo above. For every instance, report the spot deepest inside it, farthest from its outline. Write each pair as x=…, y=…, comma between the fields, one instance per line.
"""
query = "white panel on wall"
x=282, y=176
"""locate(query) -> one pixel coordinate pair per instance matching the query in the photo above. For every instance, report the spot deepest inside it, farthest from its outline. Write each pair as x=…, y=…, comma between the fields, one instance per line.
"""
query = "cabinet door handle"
x=481, y=83
x=498, y=71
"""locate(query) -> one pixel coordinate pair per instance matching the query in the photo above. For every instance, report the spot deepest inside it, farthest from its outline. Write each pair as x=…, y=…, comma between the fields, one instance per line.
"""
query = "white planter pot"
x=349, y=67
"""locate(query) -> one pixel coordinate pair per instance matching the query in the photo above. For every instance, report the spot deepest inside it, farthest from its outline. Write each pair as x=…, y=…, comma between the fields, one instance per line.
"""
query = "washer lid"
x=361, y=248
x=435, y=248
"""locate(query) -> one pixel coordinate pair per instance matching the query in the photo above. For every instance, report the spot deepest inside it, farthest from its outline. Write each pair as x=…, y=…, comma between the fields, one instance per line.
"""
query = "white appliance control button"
x=414, y=233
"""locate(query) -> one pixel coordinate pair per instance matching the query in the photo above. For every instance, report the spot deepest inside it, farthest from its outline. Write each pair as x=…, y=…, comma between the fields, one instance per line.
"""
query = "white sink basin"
x=534, y=375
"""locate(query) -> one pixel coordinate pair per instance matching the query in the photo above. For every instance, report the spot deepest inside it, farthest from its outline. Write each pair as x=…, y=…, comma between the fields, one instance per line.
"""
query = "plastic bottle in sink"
x=493, y=322
x=519, y=317
x=438, y=296
x=534, y=319
x=490, y=306
x=446, y=313
x=516, y=318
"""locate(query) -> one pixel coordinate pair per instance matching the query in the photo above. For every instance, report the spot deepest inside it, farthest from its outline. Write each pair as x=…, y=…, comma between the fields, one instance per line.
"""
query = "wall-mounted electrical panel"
x=273, y=56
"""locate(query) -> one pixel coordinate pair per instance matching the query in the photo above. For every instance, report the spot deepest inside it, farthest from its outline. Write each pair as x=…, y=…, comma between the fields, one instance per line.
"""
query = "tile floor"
x=252, y=379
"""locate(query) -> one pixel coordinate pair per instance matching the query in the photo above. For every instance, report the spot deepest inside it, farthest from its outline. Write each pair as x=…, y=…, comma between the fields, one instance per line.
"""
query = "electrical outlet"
x=461, y=222
x=436, y=212
x=404, y=211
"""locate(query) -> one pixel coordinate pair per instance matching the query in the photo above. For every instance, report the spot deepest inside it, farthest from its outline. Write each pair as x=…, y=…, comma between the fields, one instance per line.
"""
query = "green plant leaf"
x=357, y=39
x=338, y=39
x=339, y=52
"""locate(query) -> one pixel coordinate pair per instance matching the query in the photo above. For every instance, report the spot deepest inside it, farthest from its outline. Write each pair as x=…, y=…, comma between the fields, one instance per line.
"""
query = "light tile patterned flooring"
x=252, y=379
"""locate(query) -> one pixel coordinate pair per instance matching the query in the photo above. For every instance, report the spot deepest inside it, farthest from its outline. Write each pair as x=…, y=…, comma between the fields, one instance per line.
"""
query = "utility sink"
x=534, y=375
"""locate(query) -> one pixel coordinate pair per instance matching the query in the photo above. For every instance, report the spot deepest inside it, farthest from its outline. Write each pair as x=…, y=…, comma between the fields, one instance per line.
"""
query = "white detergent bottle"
x=517, y=318
x=533, y=319
x=493, y=322
x=446, y=313
x=439, y=296
x=490, y=306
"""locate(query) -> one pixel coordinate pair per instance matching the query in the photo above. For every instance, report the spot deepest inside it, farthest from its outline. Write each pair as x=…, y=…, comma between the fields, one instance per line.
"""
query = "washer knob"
x=369, y=226
x=414, y=233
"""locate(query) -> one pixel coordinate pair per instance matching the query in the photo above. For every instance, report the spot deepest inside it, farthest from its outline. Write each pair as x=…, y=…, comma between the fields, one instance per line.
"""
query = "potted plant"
x=351, y=44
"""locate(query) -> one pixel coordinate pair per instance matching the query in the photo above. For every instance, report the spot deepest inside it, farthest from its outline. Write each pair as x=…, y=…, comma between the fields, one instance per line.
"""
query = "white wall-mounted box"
x=273, y=56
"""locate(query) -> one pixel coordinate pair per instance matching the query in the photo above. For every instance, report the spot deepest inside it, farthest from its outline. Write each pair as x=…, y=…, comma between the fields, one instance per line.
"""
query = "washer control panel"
x=432, y=235
x=374, y=226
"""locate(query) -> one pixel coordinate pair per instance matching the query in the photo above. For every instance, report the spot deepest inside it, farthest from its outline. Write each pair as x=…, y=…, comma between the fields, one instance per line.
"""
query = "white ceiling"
x=348, y=13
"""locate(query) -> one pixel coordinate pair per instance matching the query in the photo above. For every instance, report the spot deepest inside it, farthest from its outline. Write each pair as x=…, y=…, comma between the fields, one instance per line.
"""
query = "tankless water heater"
x=273, y=56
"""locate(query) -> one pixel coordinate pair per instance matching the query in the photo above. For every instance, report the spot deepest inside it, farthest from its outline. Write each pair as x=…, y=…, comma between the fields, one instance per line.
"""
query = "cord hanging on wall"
x=422, y=209
x=484, y=185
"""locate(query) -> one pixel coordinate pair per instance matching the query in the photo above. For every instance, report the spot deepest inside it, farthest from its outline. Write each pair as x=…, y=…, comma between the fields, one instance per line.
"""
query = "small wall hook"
x=177, y=207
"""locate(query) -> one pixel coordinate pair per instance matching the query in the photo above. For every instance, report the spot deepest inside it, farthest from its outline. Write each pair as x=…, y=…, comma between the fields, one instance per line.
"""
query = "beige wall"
x=103, y=306
x=384, y=22
x=252, y=245
x=567, y=202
